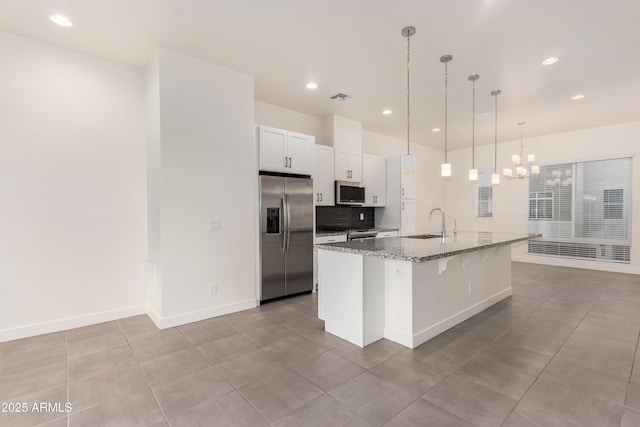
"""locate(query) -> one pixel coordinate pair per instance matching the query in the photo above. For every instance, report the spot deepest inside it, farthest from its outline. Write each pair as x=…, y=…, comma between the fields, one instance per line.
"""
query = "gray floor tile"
x=609, y=325
x=458, y=352
x=633, y=395
x=323, y=338
x=104, y=387
x=537, y=291
x=555, y=404
x=243, y=322
x=40, y=342
x=137, y=408
x=473, y=402
x=188, y=391
x=322, y=412
x=374, y=398
x=158, y=346
x=162, y=423
x=207, y=330
x=532, y=341
x=635, y=375
x=172, y=365
x=409, y=372
x=630, y=418
x=249, y=367
x=494, y=327
x=613, y=356
x=92, y=331
x=424, y=413
x=31, y=381
x=14, y=362
x=277, y=395
x=569, y=373
x=279, y=311
x=228, y=410
x=265, y=335
x=226, y=348
x=293, y=349
x=59, y=422
x=96, y=344
x=524, y=360
x=372, y=354
x=141, y=328
x=303, y=324
x=97, y=363
x=328, y=370
x=56, y=396
x=620, y=307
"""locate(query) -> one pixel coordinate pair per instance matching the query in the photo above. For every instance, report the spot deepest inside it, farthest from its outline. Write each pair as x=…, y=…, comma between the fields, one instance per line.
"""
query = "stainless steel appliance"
x=349, y=193
x=286, y=235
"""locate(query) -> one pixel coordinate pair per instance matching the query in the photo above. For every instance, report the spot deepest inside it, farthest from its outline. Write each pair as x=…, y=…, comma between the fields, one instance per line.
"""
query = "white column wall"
x=72, y=189
x=207, y=173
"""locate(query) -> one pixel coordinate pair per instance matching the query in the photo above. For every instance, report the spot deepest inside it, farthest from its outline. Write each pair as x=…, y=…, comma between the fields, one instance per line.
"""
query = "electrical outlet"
x=215, y=225
x=397, y=270
x=469, y=288
x=361, y=217
x=213, y=289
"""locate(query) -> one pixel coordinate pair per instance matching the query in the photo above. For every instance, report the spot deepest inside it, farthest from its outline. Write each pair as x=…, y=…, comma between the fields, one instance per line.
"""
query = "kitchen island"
x=409, y=289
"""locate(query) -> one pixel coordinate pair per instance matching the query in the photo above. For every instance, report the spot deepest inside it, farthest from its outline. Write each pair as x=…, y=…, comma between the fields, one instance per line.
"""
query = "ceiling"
x=356, y=47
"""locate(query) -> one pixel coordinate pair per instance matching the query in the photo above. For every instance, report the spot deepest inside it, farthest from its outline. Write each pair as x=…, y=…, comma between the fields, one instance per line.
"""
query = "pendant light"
x=473, y=172
x=408, y=32
x=495, y=177
x=522, y=167
x=445, y=168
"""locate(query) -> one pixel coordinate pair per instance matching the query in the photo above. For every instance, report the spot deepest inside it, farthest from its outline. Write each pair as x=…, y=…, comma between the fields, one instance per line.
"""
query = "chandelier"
x=522, y=169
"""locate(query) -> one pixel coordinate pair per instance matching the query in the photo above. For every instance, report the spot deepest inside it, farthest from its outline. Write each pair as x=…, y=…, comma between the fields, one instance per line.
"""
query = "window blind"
x=582, y=209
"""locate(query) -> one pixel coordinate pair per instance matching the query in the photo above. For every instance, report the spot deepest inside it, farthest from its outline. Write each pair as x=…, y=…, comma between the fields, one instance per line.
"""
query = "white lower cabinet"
x=319, y=240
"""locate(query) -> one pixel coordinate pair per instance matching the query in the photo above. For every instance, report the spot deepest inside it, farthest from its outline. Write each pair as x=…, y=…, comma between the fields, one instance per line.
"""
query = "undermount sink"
x=423, y=236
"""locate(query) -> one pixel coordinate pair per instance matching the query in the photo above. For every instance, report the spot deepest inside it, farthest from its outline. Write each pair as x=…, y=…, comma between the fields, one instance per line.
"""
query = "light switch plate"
x=215, y=225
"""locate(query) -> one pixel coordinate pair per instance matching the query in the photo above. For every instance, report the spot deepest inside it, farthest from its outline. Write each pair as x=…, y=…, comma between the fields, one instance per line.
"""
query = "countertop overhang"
x=410, y=249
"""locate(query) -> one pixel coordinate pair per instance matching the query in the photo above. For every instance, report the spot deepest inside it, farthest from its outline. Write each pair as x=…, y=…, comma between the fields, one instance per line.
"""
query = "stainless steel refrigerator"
x=286, y=235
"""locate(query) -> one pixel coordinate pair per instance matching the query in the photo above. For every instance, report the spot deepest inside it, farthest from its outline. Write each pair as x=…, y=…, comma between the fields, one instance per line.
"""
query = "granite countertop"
x=324, y=233
x=421, y=250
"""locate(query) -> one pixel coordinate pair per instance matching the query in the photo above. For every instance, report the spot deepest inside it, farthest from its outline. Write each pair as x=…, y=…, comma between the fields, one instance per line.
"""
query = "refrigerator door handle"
x=288, y=226
x=285, y=224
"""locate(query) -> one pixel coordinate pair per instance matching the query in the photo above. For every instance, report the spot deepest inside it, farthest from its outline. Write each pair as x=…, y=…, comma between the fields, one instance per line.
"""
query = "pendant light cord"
x=495, y=139
x=473, y=126
x=408, y=94
x=446, y=83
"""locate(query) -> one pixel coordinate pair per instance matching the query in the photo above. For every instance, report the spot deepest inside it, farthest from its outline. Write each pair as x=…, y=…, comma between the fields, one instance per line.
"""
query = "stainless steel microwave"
x=349, y=193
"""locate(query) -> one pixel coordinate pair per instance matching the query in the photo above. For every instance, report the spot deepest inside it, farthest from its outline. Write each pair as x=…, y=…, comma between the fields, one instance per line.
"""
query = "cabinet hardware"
x=290, y=162
x=320, y=196
x=402, y=205
x=403, y=191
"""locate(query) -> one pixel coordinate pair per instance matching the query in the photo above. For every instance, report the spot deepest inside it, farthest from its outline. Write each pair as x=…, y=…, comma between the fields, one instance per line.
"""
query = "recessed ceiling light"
x=577, y=97
x=61, y=20
x=550, y=61
x=435, y=130
x=386, y=112
x=312, y=85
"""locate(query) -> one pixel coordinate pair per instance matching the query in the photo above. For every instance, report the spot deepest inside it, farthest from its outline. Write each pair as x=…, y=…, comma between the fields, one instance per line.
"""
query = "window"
x=582, y=210
x=484, y=197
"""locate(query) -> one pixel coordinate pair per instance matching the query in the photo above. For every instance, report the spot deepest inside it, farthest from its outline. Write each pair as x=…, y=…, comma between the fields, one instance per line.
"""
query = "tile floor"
x=563, y=351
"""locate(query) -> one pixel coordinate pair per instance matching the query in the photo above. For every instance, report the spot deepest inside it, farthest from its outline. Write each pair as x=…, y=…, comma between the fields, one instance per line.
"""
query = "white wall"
x=72, y=196
x=510, y=197
x=207, y=173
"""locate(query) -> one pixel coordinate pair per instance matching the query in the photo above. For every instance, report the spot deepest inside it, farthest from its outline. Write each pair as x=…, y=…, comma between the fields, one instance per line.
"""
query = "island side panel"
x=341, y=289
x=374, y=300
x=443, y=293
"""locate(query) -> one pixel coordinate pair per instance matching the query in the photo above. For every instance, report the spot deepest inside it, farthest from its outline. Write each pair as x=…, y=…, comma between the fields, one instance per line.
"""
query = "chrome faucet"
x=444, y=230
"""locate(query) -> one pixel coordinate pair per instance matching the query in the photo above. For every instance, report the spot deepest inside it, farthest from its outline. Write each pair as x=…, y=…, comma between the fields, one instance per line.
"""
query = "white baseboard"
x=438, y=328
x=194, y=316
x=69, y=323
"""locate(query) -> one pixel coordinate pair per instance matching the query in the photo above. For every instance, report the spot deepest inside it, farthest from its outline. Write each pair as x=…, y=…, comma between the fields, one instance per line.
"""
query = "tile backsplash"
x=344, y=217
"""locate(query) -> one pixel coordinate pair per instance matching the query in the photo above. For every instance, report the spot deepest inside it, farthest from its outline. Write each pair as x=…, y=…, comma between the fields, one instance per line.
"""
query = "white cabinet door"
x=323, y=178
x=299, y=153
x=407, y=217
x=355, y=166
x=374, y=176
x=341, y=165
x=348, y=166
x=273, y=149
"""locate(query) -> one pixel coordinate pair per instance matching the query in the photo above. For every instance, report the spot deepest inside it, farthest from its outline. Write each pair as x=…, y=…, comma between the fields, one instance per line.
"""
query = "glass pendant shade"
x=473, y=174
x=495, y=178
x=445, y=169
x=535, y=170
x=515, y=159
x=507, y=172
x=521, y=171
x=531, y=158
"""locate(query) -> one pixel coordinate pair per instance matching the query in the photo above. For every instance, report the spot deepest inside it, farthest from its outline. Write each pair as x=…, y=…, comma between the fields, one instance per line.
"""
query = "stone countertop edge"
x=431, y=248
x=344, y=233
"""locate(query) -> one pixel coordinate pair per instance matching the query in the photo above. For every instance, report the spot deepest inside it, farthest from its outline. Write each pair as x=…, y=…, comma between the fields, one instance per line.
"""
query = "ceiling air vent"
x=340, y=97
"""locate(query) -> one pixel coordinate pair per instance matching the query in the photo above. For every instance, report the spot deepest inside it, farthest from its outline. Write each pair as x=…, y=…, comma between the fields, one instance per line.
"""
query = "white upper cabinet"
x=323, y=177
x=348, y=166
x=374, y=176
x=407, y=178
x=283, y=151
x=407, y=217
